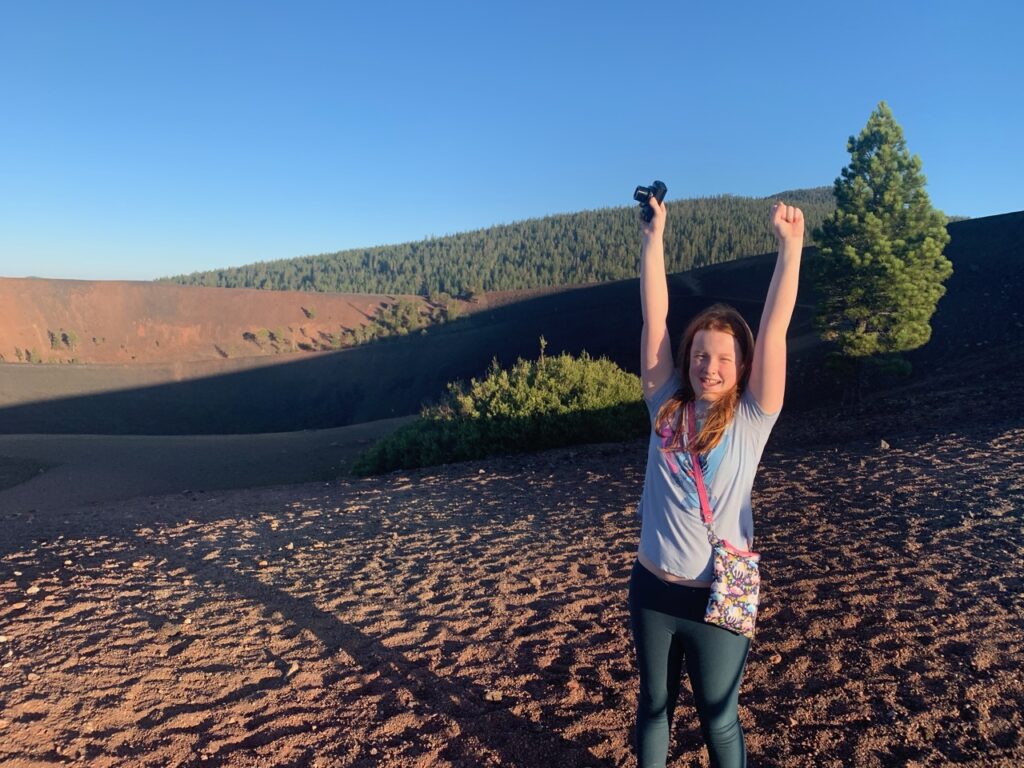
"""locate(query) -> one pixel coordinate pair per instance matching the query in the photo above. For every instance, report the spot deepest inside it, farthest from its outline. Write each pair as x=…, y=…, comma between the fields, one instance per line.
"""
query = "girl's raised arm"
x=768, y=373
x=655, y=345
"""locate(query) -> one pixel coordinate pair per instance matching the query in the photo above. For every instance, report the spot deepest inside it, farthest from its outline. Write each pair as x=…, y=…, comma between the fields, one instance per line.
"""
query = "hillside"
x=127, y=322
x=979, y=316
x=568, y=249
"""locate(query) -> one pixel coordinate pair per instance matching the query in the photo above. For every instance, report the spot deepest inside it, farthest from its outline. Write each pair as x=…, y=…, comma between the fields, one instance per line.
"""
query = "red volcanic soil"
x=60, y=321
x=124, y=322
x=475, y=615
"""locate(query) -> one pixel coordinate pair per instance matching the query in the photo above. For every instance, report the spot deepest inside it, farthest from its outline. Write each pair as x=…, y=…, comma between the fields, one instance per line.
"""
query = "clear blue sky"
x=142, y=139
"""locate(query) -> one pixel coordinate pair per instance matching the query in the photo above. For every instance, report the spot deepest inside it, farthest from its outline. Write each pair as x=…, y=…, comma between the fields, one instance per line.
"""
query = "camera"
x=643, y=195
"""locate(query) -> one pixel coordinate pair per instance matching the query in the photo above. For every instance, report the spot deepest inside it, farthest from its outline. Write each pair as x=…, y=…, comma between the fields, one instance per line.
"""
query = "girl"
x=736, y=386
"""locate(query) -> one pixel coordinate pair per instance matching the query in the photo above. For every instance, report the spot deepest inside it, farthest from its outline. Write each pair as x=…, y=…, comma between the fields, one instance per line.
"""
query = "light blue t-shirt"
x=672, y=534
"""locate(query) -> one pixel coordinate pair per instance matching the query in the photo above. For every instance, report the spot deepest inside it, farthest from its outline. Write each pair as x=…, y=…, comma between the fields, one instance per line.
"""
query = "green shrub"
x=400, y=318
x=61, y=339
x=535, y=405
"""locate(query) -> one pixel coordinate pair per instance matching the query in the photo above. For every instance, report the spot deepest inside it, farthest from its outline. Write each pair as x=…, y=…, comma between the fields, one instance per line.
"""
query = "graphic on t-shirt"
x=681, y=466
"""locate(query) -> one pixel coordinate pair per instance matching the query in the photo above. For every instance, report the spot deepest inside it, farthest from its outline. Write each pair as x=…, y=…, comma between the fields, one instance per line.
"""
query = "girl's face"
x=714, y=366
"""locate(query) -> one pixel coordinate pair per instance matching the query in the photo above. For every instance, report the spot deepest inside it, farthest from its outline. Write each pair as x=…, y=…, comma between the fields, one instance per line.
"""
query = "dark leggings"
x=668, y=630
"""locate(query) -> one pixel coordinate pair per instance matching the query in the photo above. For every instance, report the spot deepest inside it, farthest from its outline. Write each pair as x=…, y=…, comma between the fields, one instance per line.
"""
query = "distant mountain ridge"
x=567, y=249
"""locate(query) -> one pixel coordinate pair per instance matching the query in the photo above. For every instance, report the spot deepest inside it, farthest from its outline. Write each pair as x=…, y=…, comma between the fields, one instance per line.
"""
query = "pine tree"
x=881, y=267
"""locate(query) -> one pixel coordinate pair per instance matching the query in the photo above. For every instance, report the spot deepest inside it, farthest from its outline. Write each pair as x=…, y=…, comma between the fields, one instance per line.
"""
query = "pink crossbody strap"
x=698, y=473
x=702, y=491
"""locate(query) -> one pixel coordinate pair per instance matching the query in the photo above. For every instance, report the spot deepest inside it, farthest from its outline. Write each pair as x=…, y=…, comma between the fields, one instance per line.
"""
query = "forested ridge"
x=567, y=249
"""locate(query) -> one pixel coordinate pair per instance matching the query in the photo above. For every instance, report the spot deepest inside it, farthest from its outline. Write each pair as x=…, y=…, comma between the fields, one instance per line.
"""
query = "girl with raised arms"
x=736, y=385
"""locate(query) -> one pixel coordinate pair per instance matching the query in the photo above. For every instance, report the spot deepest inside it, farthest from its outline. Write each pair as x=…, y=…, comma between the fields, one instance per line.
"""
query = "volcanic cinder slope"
x=186, y=394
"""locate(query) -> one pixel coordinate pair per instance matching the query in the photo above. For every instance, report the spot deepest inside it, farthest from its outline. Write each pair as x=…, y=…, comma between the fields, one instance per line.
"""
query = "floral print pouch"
x=735, y=591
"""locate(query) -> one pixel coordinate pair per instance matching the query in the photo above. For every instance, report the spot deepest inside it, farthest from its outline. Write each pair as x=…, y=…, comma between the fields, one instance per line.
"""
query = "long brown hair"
x=718, y=317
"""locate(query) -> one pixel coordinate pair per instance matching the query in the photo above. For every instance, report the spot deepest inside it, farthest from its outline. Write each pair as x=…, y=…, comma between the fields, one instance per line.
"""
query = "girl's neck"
x=702, y=407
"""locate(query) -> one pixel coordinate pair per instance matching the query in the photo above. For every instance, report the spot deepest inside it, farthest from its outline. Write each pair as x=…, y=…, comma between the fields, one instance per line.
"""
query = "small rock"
x=291, y=545
x=33, y=590
x=263, y=563
x=292, y=669
x=18, y=573
x=16, y=606
x=3, y=638
x=776, y=658
x=535, y=581
x=68, y=562
x=792, y=722
x=492, y=696
x=885, y=446
x=187, y=621
x=373, y=750
x=33, y=676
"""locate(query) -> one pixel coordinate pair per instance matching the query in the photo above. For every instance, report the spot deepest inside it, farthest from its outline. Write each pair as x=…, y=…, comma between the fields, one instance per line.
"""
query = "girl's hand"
x=788, y=223
x=656, y=226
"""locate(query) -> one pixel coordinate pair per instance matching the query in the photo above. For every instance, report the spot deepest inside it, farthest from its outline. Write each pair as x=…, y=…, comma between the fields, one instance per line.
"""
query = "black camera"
x=643, y=196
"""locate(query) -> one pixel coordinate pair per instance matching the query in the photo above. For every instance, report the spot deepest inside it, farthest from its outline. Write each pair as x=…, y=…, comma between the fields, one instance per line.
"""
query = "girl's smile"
x=713, y=368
